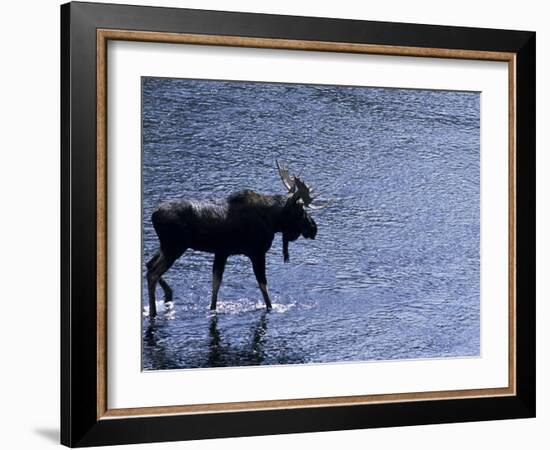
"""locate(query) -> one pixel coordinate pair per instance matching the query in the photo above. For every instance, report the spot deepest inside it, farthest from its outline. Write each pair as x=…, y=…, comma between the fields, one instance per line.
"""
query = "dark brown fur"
x=244, y=223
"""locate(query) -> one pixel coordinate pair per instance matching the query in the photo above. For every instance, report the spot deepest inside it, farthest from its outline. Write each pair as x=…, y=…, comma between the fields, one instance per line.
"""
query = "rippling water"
x=394, y=270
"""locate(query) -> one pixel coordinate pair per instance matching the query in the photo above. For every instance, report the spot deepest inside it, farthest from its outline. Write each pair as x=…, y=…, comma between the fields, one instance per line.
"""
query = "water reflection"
x=222, y=350
x=154, y=348
x=251, y=353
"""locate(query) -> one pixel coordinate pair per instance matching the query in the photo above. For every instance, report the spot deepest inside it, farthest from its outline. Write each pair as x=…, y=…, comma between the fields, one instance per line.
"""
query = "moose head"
x=299, y=203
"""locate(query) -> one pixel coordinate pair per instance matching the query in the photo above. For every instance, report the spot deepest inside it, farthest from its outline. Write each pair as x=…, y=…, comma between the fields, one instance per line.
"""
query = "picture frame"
x=86, y=419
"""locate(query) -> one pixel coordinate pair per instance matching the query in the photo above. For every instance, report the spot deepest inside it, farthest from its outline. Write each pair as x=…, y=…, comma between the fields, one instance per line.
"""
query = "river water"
x=394, y=270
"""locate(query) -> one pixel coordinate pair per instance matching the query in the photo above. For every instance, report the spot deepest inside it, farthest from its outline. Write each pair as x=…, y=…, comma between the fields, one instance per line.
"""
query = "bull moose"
x=244, y=223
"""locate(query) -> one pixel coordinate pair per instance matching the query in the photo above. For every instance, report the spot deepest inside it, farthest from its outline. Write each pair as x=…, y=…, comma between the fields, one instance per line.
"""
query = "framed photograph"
x=276, y=224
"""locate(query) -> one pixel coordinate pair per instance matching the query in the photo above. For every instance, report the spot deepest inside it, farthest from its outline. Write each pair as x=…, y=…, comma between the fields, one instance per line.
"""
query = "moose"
x=244, y=223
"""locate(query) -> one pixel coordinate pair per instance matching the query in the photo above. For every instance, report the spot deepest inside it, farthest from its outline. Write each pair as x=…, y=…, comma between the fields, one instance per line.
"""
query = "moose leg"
x=217, y=275
x=168, y=293
x=258, y=264
x=160, y=265
x=153, y=260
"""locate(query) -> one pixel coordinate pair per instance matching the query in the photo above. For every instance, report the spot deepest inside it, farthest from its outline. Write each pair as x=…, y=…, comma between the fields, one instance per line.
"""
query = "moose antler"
x=286, y=178
x=304, y=192
x=297, y=187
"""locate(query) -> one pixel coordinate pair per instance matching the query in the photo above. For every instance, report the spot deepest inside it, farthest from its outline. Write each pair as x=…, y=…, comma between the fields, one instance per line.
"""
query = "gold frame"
x=103, y=36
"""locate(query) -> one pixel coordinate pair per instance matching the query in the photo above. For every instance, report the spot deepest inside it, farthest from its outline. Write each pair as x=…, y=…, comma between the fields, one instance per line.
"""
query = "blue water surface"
x=394, y=270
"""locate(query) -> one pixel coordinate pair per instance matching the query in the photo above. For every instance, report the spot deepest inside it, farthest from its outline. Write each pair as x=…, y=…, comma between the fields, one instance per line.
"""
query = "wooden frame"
x=86, y=418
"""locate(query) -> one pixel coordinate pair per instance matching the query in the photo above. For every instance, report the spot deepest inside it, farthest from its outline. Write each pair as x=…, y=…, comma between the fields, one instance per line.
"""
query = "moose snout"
x=310, y=233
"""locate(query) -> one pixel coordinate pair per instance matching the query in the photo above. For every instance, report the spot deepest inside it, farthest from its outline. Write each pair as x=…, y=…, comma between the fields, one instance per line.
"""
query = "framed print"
x=276, y=224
